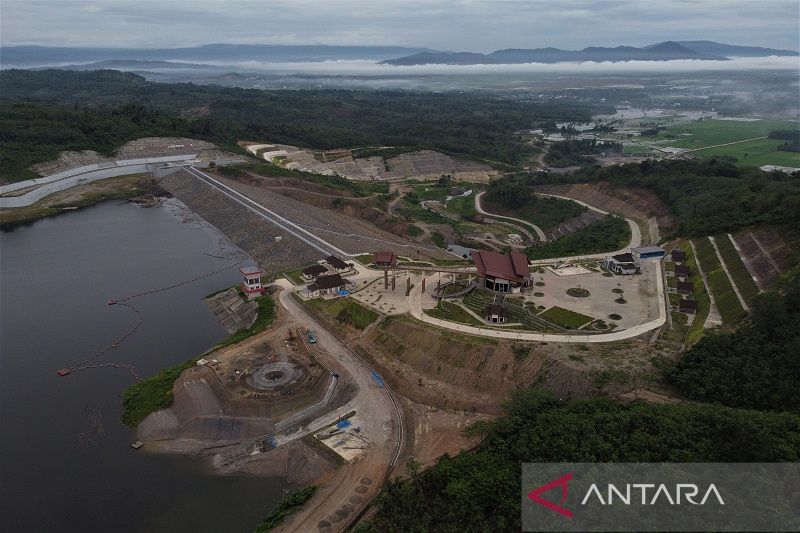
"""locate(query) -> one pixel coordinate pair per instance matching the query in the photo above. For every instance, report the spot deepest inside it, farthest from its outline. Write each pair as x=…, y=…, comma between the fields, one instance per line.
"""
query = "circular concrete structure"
x=273, y=375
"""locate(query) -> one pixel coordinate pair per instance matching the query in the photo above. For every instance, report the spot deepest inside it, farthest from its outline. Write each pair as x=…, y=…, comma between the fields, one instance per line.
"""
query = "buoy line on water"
x=89, y=362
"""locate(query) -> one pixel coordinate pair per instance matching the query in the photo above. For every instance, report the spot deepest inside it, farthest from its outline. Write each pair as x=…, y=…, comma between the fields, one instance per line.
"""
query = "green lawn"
x=364, y=259
x=464, y=206
x=741, y=276
x=727, y=302
x=345, y=310
x=565, y=317
x=755, y=153
x=295, y=276
x=454, y=313
x=431, y=192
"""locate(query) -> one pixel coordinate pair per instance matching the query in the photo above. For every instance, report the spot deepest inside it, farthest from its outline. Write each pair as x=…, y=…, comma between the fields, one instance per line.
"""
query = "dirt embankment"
x=637, y=203
x=449, y=371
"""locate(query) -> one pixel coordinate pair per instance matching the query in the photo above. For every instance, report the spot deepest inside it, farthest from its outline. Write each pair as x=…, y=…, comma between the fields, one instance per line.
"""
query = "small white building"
x=495, y=313
x=621, y=264
x=330, y=284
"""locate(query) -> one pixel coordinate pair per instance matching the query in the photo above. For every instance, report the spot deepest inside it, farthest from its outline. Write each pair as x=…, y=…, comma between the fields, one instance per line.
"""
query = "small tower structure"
x=251, y=285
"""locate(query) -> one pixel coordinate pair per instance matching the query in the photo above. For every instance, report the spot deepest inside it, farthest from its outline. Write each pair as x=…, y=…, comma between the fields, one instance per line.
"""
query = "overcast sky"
x=474, y=25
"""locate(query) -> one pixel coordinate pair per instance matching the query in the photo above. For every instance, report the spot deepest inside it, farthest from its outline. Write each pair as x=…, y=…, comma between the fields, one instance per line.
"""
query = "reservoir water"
x=65, y=460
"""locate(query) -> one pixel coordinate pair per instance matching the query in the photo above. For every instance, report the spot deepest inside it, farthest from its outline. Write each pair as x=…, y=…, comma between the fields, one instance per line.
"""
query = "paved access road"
x=381, y=423
x=415, y=298
x=537, y=229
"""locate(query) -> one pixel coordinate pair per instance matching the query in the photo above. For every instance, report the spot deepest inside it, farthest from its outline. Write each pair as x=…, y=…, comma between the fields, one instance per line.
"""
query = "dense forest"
x=472, y=125
x=510, y=197
x=610, y=233
x=480, y=490
x=34, y=133
x=578, y=152
x=707, y=196
x=757, y=366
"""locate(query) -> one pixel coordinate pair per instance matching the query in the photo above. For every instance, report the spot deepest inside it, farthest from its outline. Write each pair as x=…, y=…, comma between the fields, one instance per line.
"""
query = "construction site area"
x=404, y=311
x=351, y=165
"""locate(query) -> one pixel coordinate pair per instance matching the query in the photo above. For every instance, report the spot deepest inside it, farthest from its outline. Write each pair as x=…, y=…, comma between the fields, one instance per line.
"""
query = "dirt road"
x=342, y=498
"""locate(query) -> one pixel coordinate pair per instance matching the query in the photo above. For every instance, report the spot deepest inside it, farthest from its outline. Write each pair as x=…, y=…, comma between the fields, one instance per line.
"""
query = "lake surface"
x=65, y=460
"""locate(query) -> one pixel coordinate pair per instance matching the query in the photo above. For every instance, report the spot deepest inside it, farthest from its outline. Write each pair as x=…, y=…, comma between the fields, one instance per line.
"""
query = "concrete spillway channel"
x=288, y=226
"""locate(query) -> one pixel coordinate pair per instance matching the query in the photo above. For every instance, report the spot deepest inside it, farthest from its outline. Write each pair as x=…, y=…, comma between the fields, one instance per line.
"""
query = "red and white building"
x=252, y=281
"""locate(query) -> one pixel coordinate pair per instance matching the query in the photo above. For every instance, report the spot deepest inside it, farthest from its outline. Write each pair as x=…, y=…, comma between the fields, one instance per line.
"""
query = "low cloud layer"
x=370, y=68
x=472, y=25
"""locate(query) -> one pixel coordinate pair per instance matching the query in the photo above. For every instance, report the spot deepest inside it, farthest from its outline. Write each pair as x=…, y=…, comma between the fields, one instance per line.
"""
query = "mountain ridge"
x=663, y=51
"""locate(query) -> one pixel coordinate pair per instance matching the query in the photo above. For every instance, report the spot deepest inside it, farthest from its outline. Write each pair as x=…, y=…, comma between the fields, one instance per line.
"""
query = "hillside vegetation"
x=480, y=490
x=757, y=366
x=706, y=196
x=510, y=197
x=606, y=235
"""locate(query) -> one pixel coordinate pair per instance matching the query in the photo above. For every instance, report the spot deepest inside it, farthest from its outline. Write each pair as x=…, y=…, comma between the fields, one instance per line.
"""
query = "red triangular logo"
x=562, y=482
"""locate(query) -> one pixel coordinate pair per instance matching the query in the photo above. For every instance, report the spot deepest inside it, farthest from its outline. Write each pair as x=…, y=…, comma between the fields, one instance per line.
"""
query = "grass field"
x=345, y=310
x=719, y=284
x=296, y=275
x=454, y=313
x=741, y=276
x=463, y=206
x=364, y=259
x=713, y=132
x=565, y=317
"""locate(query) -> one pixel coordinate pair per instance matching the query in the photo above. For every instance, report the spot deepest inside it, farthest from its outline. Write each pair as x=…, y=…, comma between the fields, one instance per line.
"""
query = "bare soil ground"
x=449, y=371
x=767, y=254
x=437, y=432
x=138, y=148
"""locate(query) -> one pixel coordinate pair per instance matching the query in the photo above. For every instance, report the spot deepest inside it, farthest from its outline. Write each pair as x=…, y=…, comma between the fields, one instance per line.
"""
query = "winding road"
x=479, y=209
x=415, y=297
x=380, y=418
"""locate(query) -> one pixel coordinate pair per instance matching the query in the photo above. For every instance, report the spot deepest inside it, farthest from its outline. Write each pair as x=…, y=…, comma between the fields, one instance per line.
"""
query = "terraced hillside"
x=736, y=267
x=766, y=253
x=720, y=286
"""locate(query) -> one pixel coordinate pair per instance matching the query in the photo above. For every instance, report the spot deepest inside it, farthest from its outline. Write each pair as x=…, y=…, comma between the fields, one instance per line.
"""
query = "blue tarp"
x=343, y=424
x=343, y=292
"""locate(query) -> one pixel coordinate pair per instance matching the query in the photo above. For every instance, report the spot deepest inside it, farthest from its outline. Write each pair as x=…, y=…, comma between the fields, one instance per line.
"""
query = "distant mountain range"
x=135, y=64
x=32, y=56
x=230, y=54
x=668, y=50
